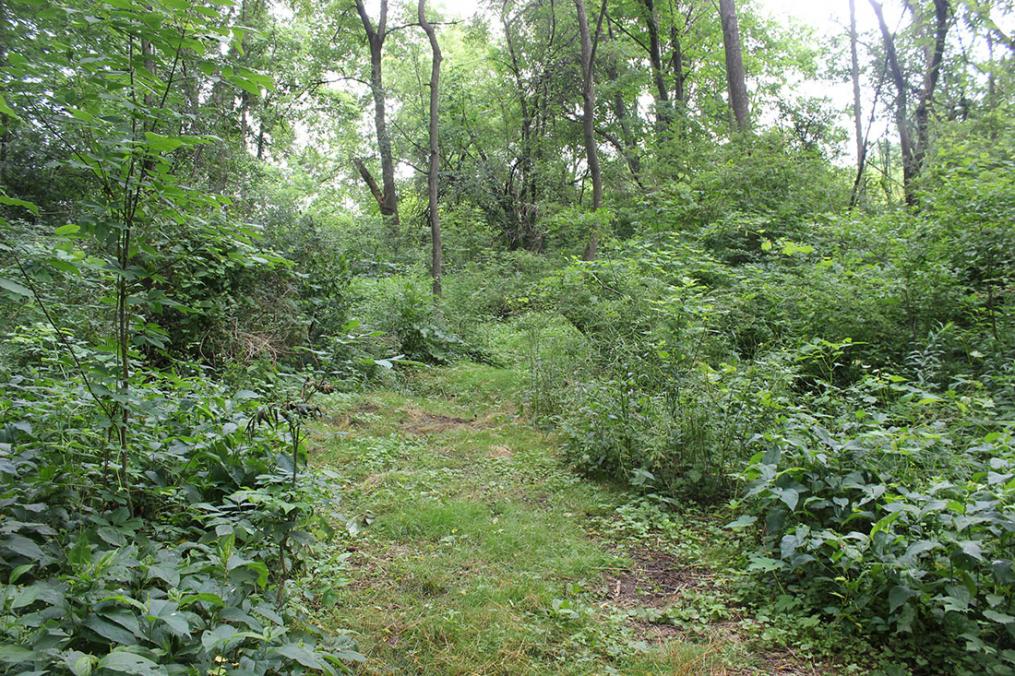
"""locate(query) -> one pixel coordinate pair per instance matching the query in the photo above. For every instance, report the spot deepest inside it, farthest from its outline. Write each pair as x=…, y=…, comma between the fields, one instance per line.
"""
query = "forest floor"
x=474, y=550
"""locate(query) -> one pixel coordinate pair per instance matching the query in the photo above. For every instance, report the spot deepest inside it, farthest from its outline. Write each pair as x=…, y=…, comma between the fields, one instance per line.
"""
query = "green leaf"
x=164, y=571
x=129, y=663
x=897, y=596
x=6, y=109
x=67, y=230
x=202, y=597
x=79, y=663
x=15, y=202
x=741, y=523
x=19, y=571
x=217, y=637
x=1000, y=618
x=110, y=631
x=303, y=656
x=21, y=545
x=164, y=144
x=14, y=654
x=790, y=496
x=972, y=549
x=14, y=288
x=764, y=564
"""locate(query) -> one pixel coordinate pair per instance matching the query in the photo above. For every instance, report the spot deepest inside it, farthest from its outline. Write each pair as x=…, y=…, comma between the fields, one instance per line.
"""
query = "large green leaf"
x=23, y=546
x=302, y=655
x=15, y=654
x=123, y=662
x=13, y=287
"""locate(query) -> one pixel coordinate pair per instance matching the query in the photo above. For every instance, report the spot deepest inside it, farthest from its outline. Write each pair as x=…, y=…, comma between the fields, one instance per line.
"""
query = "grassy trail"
x=478, y=552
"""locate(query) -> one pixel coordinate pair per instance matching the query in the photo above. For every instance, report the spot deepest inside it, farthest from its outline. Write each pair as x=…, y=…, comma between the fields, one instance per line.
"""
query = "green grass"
x=477, y=552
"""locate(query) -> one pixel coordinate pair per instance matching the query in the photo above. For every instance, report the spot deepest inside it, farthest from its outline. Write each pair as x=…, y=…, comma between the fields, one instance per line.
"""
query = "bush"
x=895, y=513
x=173, y=554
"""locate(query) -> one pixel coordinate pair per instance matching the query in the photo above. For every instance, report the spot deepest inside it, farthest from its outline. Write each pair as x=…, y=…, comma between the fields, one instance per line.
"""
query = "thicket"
x=846, y=380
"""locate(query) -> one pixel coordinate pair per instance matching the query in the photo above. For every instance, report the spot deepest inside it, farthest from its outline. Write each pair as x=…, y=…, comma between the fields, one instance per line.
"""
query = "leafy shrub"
x=403, y=308
x=172, y=557
x=892, y=522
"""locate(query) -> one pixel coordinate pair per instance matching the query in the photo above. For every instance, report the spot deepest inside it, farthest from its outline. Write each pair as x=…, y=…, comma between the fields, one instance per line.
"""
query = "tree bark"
x=677, y=64
x=735, y=77
x=914, y=150
x=388, y=202
x=931, y=76
x=436, y=253
x=588, y=123
x=630, y=146
x=854, y=70
x=664, y=114
x=5, y=135
x=524, y=202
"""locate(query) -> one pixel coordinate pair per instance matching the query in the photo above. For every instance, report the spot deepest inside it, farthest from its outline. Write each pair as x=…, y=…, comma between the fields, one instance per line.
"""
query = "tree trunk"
x=588, y=123
x=735, y=77
x=901, y=102
x=437, y=255
x=677, y=64
x=5, y=135
x=932, y=73
x=630, y=145
x=914, y=151
x=524, y=212
x=388, y=202
x=663, y=110
x=861, y=146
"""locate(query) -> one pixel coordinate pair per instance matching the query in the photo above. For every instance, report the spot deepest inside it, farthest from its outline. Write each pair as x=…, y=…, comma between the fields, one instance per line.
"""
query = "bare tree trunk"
x=524, y=211
x=5, y=135
x=677, y=64
x=735, y=77
x=588, y=121
x=932, y=73
x=914, y=151
x=901, y=102
x=861, y=146
x=664, y=114
x=991, y=84
x=630, y=145
x=388, y=202
x=437, y=254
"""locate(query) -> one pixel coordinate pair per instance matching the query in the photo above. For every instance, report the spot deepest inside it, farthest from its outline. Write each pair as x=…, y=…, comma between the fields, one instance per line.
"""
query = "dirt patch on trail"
x=654, y=580
x=501, y=452
x=358, y=417
x=421, y=423
x=657, y=580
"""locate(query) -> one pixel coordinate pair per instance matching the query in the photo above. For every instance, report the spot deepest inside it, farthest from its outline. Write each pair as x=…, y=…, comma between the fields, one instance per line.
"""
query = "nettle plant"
x=895, y=524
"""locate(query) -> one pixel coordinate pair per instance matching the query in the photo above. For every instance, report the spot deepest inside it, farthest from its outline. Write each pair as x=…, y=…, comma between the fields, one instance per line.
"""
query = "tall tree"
x=735, y=77
x=854, y=71
x=387, y=198
x=628, y=146
x=436, y=252
x=663, y=109
x=588, y=118
x=914, y=150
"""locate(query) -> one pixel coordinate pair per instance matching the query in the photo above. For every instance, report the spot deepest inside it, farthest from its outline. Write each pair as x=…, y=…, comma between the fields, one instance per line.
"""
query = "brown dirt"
x=421, y=423
x=655, y=580
x=501, y=452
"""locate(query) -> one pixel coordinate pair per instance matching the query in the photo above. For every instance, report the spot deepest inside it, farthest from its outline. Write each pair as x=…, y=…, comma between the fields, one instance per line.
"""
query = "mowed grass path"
x=477, y=550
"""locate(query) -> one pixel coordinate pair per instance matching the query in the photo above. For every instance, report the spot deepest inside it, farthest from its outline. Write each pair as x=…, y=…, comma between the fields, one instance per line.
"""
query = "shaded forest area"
x=724, y=293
